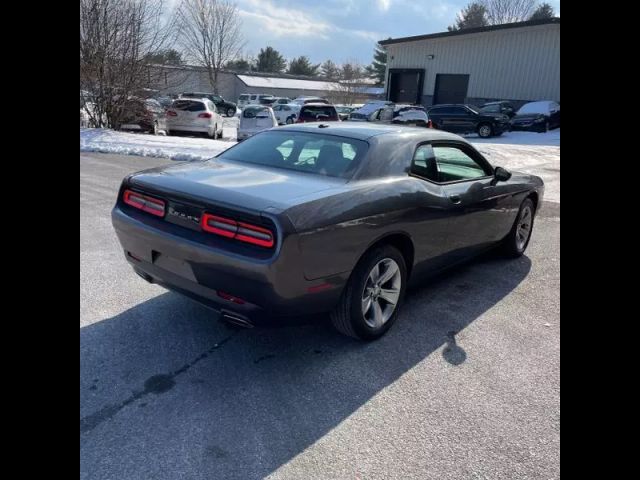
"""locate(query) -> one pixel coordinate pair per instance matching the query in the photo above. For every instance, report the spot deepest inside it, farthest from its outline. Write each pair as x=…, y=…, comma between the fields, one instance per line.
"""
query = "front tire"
x=485, y=130
x=516, y=242
x=371, y=300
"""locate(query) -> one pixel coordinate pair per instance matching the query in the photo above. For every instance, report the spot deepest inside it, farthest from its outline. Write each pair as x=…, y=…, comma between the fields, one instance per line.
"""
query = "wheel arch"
x=401, y=241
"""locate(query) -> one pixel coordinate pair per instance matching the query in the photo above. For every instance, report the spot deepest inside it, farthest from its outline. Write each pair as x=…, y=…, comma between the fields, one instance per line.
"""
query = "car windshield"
x=320, y=154
x=189, y=105
x=317, y=112
x=252, y=112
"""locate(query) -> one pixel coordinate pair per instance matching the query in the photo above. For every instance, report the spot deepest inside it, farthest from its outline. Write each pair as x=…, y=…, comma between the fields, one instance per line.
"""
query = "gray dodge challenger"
x=321, y=217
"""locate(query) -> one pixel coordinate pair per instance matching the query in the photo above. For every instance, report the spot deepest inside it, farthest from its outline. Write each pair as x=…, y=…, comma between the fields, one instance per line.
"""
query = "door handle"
x=455, y=199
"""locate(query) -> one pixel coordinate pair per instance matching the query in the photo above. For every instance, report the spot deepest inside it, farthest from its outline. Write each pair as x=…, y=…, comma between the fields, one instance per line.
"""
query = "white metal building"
x=519, y=62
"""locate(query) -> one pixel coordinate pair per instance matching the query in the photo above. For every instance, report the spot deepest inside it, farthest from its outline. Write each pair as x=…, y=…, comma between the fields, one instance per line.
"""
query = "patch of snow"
x=147, y=145
x=527, y=152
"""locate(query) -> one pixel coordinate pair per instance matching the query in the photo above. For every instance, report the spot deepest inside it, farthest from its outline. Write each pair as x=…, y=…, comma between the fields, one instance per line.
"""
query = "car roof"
x=450, y=105
x=317, y=104
x=365, y=130
x=498, y=102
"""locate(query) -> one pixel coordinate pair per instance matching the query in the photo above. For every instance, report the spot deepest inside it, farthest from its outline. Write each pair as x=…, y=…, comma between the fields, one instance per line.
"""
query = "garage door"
x=450, y=88
x=405, y=85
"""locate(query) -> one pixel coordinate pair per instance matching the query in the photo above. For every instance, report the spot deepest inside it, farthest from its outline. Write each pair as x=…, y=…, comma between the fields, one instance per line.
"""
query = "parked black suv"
x=223, y=107
x=459, y=118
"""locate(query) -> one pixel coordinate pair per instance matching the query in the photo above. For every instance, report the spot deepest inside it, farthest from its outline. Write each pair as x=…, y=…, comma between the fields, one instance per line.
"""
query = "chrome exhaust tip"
x=235, y=319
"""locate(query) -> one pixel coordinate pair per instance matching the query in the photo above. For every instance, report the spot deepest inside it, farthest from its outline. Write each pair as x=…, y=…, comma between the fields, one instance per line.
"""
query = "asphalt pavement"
x=465, y=385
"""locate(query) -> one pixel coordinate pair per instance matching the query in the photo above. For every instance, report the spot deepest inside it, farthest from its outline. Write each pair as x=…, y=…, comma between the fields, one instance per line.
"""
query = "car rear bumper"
x=255, y=290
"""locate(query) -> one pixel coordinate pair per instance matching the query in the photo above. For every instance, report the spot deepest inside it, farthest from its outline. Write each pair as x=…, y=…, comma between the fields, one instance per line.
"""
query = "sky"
x=342, y=30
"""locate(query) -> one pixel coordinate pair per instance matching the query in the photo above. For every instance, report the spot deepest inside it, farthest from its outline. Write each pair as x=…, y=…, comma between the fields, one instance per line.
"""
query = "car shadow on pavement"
x=166, y=391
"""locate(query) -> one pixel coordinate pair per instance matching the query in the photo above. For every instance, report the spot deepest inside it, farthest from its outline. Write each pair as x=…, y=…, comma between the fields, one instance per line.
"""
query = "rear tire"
x=289, y=121
x=516, y=242
x=215, y=133
x=349, y=317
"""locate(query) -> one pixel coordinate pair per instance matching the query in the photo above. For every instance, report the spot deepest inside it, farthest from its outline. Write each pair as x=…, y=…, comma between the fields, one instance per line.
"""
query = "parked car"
x=281, y=101
x=300, y=220
x=197, y=115
x=254, y=119
x=317, y=112
x=388, y=112
x=143, y=115
x=462, y=118
x=501, y=106
x=165, y=101
x=287, y=113
x=344, y=111
x=305, y=100
x=223, y=106
x=537, y=116
x=243, y=100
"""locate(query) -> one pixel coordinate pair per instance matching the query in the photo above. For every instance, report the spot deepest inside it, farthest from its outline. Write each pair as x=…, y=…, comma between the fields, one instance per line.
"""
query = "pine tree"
x=240, y=65
x=302, y=66
x=330, y=70
x=544, y=11
x=269, y=60
x=378, y=66
x=473, y=16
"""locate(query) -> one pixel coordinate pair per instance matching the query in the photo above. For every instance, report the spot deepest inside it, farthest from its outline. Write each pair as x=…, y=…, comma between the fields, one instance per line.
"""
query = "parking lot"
x=465, y=386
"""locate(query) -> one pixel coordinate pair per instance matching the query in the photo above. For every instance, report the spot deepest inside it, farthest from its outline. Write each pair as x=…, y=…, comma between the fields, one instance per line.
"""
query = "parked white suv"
x=254, y=119
x=194, y=115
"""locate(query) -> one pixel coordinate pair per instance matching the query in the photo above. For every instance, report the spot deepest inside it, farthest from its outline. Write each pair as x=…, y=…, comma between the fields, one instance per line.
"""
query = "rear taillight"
x=148, y=204
x=205, y=115
x=429, y=124
x=244, y=232
x=171, y=113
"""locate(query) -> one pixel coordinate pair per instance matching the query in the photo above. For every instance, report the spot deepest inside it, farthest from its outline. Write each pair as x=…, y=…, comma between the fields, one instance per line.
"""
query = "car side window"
x=454, y=164
x=442, y=164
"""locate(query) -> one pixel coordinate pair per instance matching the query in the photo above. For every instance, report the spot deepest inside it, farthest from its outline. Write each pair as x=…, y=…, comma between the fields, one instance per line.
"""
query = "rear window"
x=251, y=112
x=304, y=152
x=534, y=107
x=318, y=112
x=243, y=97
x=189, y=105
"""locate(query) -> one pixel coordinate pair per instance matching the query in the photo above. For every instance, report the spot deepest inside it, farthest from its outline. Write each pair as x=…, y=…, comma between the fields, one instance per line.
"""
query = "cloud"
x=285, y=21
x=384, y=5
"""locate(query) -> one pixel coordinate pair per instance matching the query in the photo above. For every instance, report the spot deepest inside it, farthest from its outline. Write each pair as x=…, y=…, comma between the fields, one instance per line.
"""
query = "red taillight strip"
x=148, y=204
x=243, y=232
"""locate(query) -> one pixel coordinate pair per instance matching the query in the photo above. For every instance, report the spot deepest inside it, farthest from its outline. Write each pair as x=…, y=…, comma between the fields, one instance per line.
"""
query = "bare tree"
x=116, y=39
x=352, y=80
x=210, y=34
x=508, y=11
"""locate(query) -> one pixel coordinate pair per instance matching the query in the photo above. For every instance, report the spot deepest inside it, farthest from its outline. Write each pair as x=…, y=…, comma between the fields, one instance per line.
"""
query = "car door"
x=479, y=208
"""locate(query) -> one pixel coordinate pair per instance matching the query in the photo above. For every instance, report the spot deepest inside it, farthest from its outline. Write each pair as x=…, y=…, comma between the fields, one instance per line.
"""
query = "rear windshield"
x=188, y=105
x=318, y=112
x=243, y=97
x=304, y=152
x=251, y=112
x=534, y=107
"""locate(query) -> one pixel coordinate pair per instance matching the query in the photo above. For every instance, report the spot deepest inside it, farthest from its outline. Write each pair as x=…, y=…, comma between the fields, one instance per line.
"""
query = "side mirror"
x=501, y=174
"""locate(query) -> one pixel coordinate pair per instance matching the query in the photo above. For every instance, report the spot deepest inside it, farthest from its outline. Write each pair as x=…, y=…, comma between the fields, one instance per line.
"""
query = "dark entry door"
x=405, y=85
x=451, y=88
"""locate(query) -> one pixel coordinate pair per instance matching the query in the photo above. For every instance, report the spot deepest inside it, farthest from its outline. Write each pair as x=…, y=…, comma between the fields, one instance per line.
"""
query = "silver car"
x=197, y=115
x=254, y=119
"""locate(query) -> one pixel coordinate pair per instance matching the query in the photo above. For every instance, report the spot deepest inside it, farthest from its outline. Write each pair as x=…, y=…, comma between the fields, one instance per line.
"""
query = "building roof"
x=293, y=83
x=468, y=31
